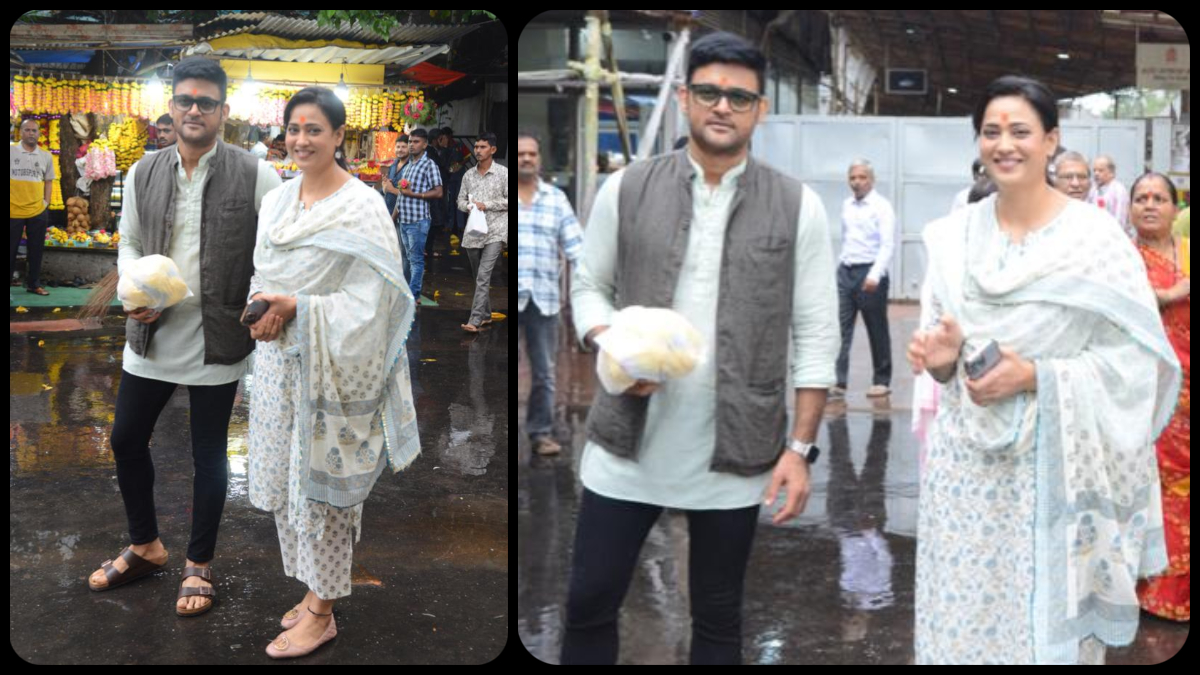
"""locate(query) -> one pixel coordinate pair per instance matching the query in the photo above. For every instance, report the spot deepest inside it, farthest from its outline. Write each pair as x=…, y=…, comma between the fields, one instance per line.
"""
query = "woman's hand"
x=1182, y=289
x=1011, y=376
x=283, y=306
x=266, y=328
x=937, y=348
x=282, y=310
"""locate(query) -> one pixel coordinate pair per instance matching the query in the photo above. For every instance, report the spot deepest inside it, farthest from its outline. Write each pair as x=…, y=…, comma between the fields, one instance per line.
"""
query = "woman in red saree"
x=1168, y=263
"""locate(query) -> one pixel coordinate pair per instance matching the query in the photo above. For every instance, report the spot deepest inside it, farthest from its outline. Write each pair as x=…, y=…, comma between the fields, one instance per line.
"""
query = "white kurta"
x=672, y=468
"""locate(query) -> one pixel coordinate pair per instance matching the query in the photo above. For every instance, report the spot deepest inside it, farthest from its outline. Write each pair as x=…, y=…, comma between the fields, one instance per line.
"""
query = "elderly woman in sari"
x=1168, y=262
x=1039, y=505
x=332, y=396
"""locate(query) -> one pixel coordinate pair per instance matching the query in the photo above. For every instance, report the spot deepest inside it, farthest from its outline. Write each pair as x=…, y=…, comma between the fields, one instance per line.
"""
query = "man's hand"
x=590, y=338
x=479, y=205
x=870, y=285
x=641, y=388
x=145, y=315
x=791, y=473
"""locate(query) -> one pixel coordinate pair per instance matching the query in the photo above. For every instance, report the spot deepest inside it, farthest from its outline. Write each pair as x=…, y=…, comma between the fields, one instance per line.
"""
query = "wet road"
x=430, y=576
x=834, y=586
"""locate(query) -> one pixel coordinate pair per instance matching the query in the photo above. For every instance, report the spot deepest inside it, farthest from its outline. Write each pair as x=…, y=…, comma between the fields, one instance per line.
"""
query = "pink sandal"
x=282, y=648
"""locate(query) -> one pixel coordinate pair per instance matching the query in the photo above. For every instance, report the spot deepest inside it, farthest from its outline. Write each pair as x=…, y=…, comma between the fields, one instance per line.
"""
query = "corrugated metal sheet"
x=407, y=56
x=308, y=29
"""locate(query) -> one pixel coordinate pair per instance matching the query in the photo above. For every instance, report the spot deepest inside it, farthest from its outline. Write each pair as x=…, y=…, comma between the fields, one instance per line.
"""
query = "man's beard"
x=735, y=145
x=203, y=140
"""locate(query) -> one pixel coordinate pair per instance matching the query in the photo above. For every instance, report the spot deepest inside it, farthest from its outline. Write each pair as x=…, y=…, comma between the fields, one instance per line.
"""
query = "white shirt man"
x=1109, y=194
x=868, y=239
x=868, y=233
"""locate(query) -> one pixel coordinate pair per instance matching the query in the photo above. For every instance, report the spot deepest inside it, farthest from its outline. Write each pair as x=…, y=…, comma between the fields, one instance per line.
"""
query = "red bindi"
x=302, y=120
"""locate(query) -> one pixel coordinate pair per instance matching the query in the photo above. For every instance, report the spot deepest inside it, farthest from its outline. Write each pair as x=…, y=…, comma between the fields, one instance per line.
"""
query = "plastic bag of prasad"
x=647, y=343
x=153, y=281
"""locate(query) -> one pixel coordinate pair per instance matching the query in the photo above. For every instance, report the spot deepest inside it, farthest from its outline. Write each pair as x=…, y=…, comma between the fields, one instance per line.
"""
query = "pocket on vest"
x=763, y=271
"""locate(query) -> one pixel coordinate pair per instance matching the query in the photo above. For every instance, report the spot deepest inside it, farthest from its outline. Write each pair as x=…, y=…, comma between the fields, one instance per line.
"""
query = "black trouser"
x=139, y=402
x=609, y=535
x=35, y=243
x=852, y=299
x=437, y=222
x=456, y=220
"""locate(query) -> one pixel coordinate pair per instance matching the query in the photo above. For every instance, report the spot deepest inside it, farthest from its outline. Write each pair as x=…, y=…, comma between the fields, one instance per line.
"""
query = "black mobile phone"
x=978, y=364
x=254, y=311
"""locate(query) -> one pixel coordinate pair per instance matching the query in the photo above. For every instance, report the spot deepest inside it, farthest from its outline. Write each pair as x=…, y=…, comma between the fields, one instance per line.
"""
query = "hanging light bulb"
x=154, y=87
x=249, y=85
x=342, y=91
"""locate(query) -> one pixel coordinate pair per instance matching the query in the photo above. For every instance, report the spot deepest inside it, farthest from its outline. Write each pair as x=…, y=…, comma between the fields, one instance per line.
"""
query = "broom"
x=96, y=305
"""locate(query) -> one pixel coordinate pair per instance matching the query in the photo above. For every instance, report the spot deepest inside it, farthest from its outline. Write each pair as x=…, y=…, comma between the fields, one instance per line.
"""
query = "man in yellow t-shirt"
x=30, y=175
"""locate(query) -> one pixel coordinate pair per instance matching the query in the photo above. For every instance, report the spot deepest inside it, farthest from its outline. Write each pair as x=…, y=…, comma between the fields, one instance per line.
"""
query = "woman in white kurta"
x=332, y=402
x=1039, y=505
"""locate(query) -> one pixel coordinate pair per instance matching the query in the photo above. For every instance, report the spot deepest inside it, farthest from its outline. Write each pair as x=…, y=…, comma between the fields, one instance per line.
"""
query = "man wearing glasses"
x=743, y=252
x=195, y=202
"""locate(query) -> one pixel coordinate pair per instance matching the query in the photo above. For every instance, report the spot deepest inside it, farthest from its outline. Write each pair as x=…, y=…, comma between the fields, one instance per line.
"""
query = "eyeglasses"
x=739, y=99
x=184, y=103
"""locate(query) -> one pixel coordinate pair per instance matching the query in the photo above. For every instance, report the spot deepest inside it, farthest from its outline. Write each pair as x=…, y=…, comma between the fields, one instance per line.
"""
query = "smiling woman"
x=332, y=358
x=315, y=121
x=1027, y=460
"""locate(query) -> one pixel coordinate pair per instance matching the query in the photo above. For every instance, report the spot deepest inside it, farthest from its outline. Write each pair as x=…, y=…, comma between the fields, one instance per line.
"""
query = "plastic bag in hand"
x=646, y=343
x=153, y=281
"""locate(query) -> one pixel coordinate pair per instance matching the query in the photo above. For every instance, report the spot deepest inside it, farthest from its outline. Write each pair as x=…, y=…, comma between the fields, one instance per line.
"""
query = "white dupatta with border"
x=354, y=310
x=1076, y=300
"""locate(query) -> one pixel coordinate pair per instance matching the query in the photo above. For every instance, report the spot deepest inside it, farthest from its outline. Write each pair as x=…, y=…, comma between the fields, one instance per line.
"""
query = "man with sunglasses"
x=195, y=202
x=744, y=253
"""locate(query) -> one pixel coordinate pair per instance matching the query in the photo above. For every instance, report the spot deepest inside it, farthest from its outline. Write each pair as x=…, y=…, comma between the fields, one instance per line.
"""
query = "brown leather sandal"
x=210, y=592
x=138, y=568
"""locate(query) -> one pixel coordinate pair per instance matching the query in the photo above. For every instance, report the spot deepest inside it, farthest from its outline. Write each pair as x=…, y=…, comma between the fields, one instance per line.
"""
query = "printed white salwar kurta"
x=331, y=403
x=1039, y=513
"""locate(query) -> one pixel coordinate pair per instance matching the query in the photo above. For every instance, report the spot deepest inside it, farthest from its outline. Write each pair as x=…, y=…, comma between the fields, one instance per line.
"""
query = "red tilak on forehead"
x=301, y=119
x=1004, y=118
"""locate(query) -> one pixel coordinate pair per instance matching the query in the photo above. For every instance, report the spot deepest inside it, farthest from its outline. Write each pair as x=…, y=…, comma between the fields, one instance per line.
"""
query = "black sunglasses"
x=184, y=103
x=739, y=99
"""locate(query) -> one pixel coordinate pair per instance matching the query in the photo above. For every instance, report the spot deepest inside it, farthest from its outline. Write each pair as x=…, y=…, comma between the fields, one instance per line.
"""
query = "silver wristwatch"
x=808, y=451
